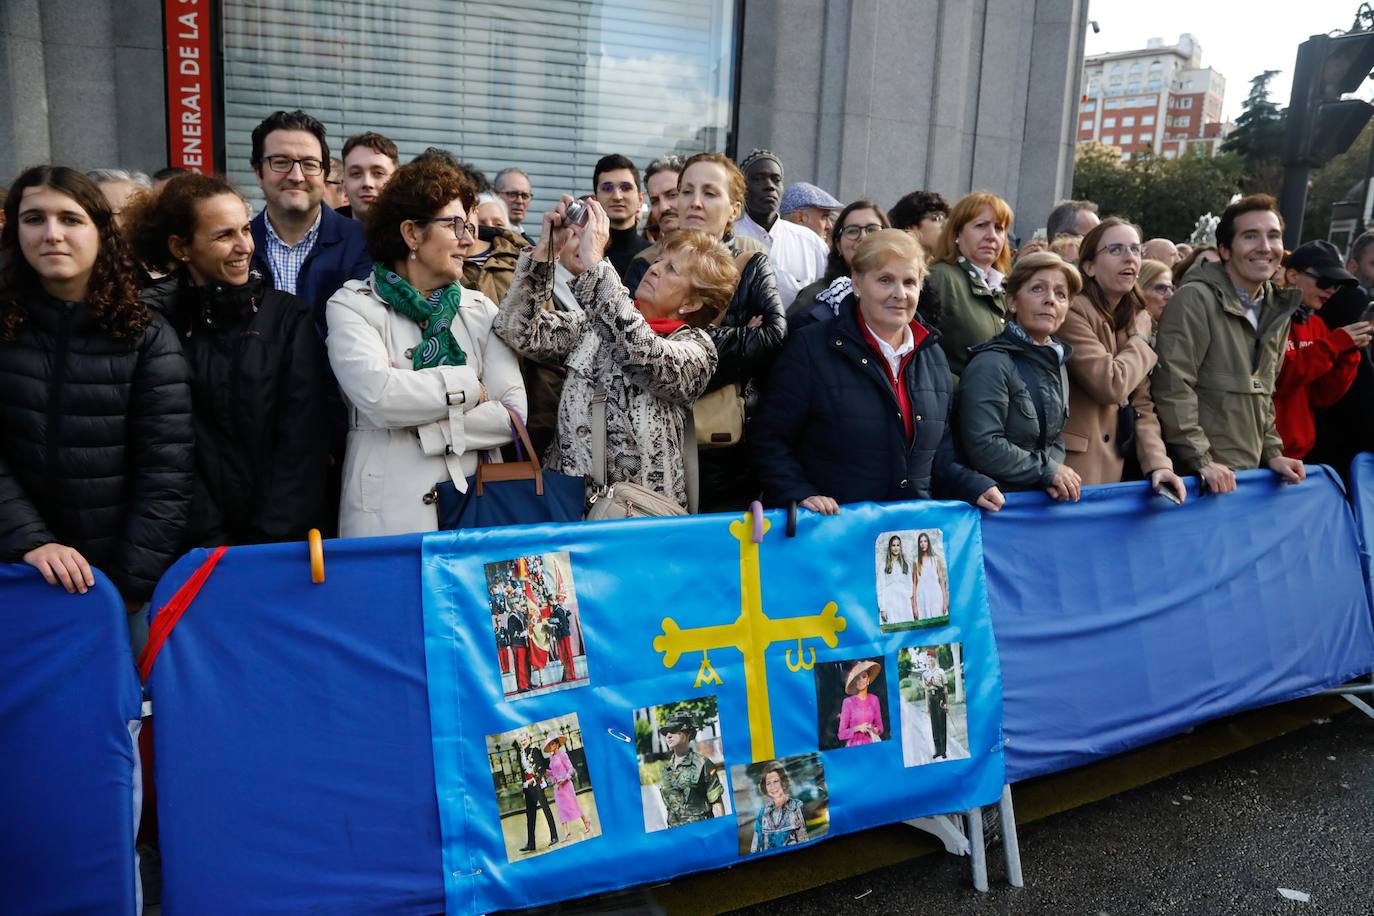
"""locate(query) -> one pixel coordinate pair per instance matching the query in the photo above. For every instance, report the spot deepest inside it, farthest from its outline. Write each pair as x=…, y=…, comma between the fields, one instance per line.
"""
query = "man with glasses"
x=301, y=247
x=513, y=186
x=797, y=254
x=1220, y=343
x=616, y=182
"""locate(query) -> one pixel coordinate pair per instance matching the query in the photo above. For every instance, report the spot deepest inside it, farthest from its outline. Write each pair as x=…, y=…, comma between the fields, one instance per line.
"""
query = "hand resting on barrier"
x=62, y=565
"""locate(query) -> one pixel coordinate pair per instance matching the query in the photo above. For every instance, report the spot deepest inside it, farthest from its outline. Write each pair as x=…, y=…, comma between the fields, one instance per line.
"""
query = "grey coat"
x=998, y=424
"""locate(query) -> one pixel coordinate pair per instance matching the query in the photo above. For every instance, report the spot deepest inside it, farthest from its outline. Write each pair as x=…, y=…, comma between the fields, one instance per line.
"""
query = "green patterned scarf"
x=435, y=315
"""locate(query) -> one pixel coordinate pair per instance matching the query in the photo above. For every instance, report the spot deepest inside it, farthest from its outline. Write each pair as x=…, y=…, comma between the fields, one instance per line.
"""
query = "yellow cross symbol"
x=751, y=633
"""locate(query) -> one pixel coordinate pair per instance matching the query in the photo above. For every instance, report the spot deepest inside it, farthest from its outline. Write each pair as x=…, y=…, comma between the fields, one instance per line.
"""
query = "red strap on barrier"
x=171, y=612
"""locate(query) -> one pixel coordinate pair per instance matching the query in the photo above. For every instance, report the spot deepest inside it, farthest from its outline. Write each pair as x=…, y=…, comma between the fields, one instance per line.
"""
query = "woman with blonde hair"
x=1156, y=287
x=1108, y=328
x=826, y=432
x=647, y=359
x=972, y=259
x=896, y=598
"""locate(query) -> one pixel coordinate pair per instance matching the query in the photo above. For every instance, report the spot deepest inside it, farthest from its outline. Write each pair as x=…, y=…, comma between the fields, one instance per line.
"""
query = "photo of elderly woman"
x=851, y=703
x=530, y=764
x=536, y=625
x=913, y=579
x=681, y=763
x=934, y=705
x=780, y=802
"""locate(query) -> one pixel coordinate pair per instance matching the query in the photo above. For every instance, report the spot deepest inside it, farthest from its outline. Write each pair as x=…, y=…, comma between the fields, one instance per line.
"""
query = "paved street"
x=1207, y=824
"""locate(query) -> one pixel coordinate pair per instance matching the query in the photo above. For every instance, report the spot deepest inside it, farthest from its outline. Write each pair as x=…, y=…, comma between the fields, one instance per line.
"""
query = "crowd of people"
x=178, y=372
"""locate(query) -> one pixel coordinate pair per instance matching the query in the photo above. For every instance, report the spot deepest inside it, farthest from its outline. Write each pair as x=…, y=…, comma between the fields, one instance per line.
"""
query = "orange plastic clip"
x=316, y=556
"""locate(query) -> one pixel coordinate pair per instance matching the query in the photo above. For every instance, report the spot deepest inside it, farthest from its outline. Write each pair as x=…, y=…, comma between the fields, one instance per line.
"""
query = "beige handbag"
x=631, y=500
x=719, y=417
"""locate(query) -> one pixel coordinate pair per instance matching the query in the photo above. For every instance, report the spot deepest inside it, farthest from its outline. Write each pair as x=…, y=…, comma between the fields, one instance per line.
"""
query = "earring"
x=412, y=254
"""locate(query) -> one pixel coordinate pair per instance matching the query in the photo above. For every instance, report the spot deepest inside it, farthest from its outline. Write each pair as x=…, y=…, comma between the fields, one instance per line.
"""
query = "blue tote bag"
x=517, y=492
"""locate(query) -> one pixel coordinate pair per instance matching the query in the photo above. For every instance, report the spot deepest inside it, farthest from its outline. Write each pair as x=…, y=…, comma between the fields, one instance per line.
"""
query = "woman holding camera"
x=428, y=384
x=649, y=358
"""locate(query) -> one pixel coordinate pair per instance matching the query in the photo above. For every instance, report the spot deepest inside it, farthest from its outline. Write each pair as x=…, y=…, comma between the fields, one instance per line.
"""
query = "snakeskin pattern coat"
x=650, y=381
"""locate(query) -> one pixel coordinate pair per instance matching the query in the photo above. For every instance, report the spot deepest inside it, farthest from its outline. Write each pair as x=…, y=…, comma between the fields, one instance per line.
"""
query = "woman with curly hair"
x=95, y=409
x=257, y=366
x=428, y=384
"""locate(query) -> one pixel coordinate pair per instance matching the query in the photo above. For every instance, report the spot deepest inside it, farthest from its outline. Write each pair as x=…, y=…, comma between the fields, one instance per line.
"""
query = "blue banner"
x=1122, y=619
x=618, y=703
x=69, y=715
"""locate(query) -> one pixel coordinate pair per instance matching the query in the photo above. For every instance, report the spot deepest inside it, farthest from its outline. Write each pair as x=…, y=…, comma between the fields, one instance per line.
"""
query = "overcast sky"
x=1240, y=38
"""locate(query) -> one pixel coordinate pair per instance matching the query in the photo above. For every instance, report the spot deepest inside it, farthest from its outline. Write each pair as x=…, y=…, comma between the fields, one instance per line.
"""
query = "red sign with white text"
x=190, y=110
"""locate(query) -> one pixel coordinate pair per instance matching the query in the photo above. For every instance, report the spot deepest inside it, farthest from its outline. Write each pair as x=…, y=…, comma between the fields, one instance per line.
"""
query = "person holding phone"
x=1319, y=364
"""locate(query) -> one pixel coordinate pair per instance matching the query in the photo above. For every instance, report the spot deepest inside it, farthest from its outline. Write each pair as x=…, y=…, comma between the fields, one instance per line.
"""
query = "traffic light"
x=1320, y=125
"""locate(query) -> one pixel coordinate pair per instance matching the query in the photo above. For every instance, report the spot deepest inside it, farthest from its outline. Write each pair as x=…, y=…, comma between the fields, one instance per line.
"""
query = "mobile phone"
x=1368, y=313
x=1169, y=495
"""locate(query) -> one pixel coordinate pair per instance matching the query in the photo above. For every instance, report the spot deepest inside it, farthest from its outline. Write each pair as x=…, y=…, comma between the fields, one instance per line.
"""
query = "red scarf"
x=662, y=326
x=918, y=334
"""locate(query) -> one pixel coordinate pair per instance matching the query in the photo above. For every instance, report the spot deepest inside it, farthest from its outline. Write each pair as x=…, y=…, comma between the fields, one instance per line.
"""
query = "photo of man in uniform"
x=681, y=763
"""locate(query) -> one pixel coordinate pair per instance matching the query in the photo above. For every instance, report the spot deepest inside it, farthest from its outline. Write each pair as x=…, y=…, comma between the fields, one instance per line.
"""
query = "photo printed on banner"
x=536, y=624
x=851, y=703
x=681, y=763
x=913, y=579
x=543, y=788
x=934, y=704
x=780, y=802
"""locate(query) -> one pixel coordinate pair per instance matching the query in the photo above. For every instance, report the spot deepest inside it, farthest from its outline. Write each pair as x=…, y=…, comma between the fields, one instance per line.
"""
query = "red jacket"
x=1318, y=368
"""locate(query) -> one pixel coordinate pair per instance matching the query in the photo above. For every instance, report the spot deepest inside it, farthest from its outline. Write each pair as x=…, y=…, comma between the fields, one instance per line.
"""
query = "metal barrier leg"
x=977, y=853
x=1359, y=704
x=1011, y=846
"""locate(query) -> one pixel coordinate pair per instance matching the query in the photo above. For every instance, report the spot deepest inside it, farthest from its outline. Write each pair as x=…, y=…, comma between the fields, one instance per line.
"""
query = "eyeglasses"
x=516, y=195
x=858, y=232
x=1163, y=289
x=459, y=226
x=610, y=187
x=311, y=167
x=1117, y=249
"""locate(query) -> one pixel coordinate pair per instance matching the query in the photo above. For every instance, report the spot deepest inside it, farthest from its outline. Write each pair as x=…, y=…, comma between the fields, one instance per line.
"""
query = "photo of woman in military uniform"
x=536, y=624
x=681, y=763
x=934, y=708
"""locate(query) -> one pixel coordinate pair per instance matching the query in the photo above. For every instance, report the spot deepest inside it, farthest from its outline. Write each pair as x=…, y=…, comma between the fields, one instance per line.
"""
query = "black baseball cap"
x=1321, y=258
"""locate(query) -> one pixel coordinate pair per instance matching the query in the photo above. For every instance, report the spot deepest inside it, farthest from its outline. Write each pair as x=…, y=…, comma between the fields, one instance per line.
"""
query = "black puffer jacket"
x=262, y=439
x=95, y=444
x=829, y=423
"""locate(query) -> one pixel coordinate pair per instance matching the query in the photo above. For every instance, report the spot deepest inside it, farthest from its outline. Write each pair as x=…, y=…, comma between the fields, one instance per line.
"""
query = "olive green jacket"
x=970, y=313
x=1214, y=385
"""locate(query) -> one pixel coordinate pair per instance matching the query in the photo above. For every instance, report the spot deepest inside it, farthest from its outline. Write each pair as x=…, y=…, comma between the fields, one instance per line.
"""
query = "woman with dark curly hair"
x=95, y=410
x=257, y=366
x=427, y=383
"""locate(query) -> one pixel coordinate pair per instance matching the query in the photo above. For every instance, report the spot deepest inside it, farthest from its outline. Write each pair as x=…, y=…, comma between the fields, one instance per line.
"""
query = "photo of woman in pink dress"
x=861, y=716
x=561, y=773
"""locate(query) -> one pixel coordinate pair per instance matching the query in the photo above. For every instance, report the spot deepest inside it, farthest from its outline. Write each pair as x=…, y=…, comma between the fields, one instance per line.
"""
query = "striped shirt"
x=286, y=260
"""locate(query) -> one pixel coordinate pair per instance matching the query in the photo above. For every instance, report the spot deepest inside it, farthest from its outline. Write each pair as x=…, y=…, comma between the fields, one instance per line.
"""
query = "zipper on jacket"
x=55, y=389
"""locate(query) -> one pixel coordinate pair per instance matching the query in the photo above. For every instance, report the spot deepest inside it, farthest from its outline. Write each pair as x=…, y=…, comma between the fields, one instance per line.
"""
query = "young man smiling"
x=1220, y=343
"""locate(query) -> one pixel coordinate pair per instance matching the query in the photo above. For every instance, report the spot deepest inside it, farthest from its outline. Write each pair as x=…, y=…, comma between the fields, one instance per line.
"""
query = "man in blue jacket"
x=301, y=246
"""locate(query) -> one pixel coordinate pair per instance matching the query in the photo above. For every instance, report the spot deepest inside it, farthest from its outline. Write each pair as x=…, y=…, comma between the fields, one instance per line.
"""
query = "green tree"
x=1164, y=196
x=1333, y=182
x=1258, y=137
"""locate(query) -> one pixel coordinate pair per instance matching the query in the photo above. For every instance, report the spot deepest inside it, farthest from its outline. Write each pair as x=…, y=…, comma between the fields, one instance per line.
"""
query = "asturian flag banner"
x=616, y=703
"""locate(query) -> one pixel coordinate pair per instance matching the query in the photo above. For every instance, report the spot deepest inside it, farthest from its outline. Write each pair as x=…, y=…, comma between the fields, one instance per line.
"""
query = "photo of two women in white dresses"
x=913, y=579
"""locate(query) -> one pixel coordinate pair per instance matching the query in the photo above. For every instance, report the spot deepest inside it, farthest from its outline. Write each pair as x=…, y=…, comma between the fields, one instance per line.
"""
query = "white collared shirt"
x=991, y=277
x=894, y=355
x=797, y=254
